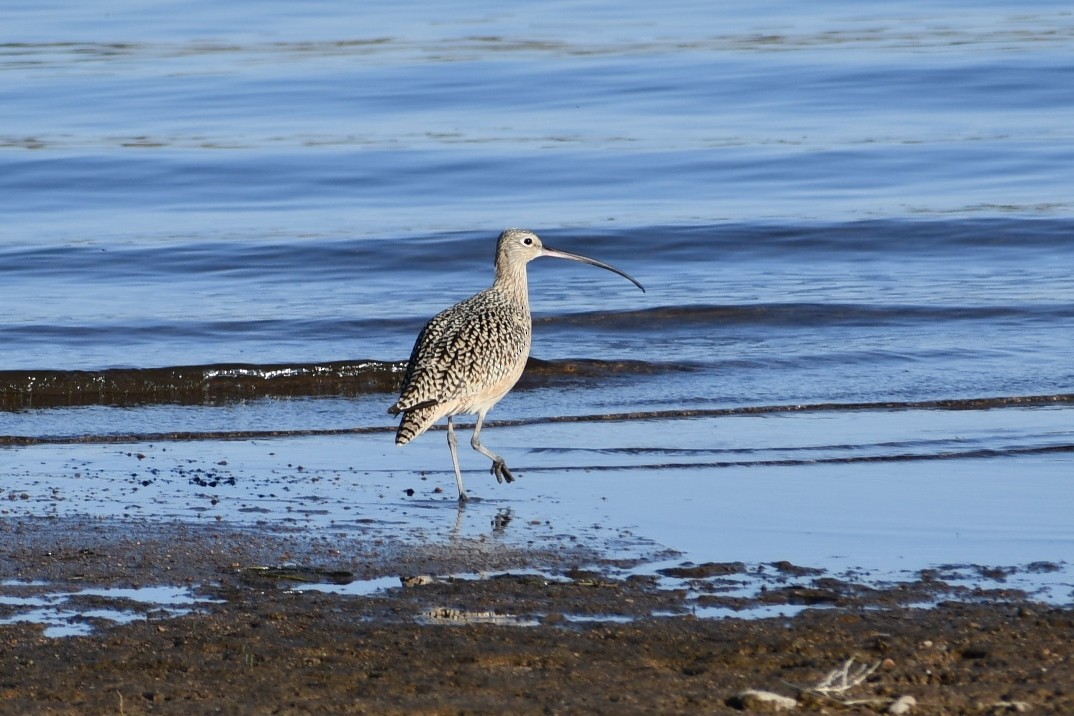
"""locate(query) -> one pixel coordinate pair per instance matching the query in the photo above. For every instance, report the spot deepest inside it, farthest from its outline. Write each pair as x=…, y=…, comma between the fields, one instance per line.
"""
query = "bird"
x=470, y=355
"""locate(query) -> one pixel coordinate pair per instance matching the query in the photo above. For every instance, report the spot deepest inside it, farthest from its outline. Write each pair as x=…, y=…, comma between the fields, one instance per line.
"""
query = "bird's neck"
x=511, y=280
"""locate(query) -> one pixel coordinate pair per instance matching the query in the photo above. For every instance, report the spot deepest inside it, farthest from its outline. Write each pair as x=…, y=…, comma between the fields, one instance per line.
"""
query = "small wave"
x=223, y=383
x=982, y=403
x=339, y=256
x=198, y=384
x=542, y=372
x=801, y=314
x=974, y=453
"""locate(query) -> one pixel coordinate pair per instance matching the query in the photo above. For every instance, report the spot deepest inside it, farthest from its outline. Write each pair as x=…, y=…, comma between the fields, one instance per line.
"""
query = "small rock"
x=902, y=705
x=794, y=570
x=690, y=570
x=755, y=700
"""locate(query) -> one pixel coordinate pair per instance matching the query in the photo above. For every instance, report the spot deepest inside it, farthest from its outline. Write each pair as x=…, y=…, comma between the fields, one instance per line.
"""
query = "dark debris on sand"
x=567, y=637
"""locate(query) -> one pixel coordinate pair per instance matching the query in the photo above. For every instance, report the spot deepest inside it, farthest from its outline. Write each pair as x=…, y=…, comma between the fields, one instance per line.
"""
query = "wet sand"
x=332, y=574
x=534, y=631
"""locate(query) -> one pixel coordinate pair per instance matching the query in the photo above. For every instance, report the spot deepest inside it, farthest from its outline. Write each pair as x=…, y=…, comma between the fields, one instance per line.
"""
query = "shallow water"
x=67, y=613
x=234, y=223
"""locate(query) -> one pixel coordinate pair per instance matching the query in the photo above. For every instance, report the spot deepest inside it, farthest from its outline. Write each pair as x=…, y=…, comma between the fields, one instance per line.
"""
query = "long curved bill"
x=556, y=253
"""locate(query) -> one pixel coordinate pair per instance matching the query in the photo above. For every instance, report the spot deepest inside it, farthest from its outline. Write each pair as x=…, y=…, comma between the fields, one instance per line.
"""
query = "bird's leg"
x=499, y=467
x=453, y=444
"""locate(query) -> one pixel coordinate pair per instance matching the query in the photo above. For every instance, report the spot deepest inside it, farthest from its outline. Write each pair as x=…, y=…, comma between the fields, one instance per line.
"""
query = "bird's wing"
x=462, y=350
x=419, y=387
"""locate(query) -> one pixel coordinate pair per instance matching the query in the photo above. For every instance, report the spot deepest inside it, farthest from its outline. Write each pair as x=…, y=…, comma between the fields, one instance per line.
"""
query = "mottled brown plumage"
x=469, y=356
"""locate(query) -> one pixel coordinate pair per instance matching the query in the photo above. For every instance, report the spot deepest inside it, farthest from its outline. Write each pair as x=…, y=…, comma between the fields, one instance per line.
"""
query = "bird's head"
x=517, y=247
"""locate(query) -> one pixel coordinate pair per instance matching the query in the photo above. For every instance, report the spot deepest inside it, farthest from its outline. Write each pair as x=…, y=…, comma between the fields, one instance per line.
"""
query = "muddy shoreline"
x=524, y=631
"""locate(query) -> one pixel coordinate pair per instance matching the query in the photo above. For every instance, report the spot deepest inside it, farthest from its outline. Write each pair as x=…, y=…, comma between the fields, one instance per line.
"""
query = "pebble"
x=763, y=700
x=902, y=705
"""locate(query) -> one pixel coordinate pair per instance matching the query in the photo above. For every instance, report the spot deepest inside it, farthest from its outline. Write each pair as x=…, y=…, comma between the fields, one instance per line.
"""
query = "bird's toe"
x=503, y=474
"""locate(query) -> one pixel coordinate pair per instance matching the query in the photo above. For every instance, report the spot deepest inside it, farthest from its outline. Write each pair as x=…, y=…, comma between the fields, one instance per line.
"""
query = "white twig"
x=839, y=681
x=843, y=679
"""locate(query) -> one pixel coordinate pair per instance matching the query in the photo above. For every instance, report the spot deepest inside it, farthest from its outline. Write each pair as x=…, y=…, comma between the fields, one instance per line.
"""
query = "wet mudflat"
x=315, y=575
x=276, y=622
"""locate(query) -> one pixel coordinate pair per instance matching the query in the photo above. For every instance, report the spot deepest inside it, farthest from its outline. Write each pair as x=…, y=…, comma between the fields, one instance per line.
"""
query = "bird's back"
x=464, y=360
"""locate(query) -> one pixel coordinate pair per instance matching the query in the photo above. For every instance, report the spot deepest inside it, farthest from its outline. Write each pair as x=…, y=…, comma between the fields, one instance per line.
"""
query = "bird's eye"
x=527, y=242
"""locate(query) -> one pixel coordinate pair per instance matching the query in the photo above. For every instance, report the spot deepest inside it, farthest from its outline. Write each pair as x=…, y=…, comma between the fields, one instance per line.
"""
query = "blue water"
x=184, y=185
x=832, y=202
x=854, y=208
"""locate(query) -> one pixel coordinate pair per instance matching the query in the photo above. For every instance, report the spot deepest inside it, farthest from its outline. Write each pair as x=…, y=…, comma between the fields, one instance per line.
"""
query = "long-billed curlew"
x=469, y=356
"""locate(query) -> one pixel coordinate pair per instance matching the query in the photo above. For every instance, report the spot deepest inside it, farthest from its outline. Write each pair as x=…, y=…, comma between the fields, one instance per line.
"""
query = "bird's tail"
x=414, y=423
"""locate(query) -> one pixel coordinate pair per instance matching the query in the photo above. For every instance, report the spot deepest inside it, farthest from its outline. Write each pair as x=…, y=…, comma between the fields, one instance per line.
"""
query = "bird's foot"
x=499, y=469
